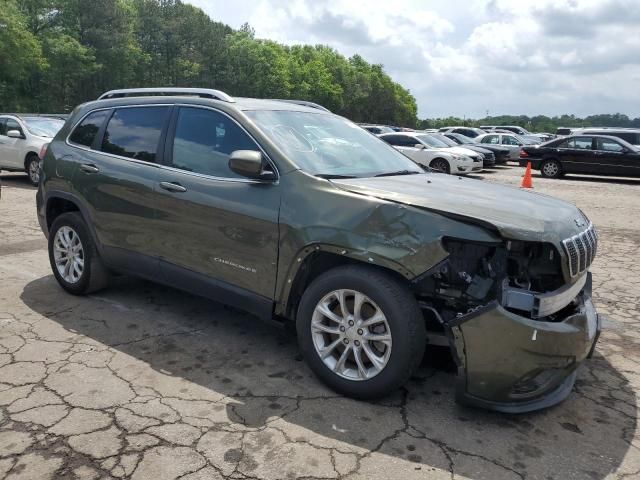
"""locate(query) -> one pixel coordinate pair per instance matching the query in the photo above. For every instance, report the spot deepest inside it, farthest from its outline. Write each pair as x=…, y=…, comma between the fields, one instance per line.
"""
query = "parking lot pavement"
x=143, y=382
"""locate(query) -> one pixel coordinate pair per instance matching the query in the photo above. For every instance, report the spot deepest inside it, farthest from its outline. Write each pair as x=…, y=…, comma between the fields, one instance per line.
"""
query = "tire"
x=441, y=165
x=89, y=277
x=32, y=168
x=551, y=169
x=402, y=333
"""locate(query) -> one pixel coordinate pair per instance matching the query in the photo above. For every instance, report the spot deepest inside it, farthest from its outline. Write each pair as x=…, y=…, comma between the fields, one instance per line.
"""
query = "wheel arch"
x=314, y=260
x=57, y=203
x=28, y=155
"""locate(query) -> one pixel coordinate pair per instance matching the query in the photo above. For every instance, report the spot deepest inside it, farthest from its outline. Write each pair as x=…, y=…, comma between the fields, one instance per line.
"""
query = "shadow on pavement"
x=16, y=180
x=258, y=367
x=597, y=179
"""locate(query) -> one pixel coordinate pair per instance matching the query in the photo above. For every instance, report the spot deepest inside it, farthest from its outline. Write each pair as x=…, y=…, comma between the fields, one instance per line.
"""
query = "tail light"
x=523, y=154
x=43, y=151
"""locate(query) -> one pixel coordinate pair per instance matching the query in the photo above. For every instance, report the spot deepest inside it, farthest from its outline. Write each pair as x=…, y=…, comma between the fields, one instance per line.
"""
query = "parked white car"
x=510, y=141
x=21, y=139
x=417, y=146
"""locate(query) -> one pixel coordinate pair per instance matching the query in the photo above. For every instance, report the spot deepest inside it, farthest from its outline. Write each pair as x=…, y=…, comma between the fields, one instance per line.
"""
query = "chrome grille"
x=581, y=250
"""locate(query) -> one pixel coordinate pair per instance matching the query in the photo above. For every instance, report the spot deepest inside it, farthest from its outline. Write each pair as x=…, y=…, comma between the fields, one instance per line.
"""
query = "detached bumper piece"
x=512, y=363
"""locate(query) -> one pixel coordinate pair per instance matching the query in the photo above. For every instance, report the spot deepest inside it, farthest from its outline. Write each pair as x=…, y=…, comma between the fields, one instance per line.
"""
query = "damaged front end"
x=518, y=317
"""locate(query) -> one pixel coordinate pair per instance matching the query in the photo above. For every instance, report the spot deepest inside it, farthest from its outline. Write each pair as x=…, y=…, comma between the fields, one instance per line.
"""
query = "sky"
x=470, y=58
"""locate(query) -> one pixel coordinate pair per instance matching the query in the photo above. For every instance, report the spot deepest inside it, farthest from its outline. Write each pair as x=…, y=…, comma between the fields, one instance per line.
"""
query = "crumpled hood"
x=517, y=214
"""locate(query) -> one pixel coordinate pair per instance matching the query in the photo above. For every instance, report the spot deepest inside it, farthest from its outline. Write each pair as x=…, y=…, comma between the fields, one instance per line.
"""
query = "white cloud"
x=464, y=57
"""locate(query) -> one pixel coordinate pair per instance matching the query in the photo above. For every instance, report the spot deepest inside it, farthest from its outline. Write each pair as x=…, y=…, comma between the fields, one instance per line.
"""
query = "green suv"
x=296, y=214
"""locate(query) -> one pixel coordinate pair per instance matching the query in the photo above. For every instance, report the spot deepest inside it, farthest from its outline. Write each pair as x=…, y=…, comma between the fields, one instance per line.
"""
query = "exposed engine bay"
x=474, y=274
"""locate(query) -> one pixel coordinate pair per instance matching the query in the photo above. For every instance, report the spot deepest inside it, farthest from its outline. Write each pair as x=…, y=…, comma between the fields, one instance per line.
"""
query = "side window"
x=86, y=131
x=565, y=144
x=204, y=141
x=392, y=140
x=407, y=141
x=3, y=126
x=135, y=132
x=492, y=139
x=13, y=125
x=608, y=145
x=508, y=140
x=580, y=143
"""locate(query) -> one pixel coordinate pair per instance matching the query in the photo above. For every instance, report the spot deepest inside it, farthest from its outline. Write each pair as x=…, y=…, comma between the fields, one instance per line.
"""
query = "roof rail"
x=305, y=103
x=168, y=91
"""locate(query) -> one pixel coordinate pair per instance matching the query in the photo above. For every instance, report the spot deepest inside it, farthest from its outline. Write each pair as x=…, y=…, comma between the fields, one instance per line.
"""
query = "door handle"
x=172, y=187
x=89, y=168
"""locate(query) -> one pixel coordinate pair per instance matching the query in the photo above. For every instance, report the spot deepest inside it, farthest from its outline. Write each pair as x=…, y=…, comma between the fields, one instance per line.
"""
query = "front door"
x=615, y=159
x=10, y=157
x=221, y=230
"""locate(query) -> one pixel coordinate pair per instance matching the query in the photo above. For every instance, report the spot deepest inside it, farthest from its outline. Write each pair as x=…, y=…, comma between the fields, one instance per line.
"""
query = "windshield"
x=444, y=139
x=43, y=127
x=462, y=139
x=329, y=145
x=432, y=141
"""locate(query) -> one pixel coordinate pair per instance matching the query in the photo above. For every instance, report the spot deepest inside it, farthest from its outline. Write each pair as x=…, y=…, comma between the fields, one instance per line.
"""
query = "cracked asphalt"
x=140, y=381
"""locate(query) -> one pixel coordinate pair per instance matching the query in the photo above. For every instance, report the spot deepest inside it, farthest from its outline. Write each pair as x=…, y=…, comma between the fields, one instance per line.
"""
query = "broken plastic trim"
x=542, y=304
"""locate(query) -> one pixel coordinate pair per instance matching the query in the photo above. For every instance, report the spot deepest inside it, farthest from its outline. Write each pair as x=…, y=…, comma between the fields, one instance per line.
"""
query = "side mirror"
x=419, y=146
x=249, y=163
x=14, y=134
x=625, y=150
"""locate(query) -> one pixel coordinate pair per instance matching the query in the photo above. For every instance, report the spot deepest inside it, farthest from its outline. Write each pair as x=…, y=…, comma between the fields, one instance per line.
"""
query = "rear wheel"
x=551, y=169
x=32, y=167
x=361, y=331
x=441, y=165
x=73, y=256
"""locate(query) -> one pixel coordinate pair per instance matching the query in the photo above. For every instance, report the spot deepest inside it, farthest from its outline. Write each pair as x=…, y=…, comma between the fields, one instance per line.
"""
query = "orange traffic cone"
x=526, y=179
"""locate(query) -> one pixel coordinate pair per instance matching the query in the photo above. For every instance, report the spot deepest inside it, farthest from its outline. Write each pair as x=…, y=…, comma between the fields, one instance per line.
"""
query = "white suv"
x=21, y=139
x=419, y=148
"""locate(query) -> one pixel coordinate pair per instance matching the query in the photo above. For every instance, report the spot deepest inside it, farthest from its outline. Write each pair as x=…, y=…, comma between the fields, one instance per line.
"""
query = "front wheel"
x=551, y=169
x=441, y=165
x=361, y=331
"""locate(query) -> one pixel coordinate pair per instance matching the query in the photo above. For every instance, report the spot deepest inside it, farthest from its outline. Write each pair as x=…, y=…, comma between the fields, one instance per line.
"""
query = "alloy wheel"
x=34, y=171
x=68, y=254
x=551, y=169
x=351, y=335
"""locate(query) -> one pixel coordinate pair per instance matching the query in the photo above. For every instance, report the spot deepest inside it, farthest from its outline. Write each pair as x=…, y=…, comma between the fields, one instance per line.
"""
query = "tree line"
x=55, y=54
x=538, y=123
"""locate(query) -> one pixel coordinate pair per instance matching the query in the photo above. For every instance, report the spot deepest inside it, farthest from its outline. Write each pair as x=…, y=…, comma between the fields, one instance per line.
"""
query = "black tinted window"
x=609, y=145
x=580, y=143
x=204, y=140
x=135, y=132
x=3, y=126
x=86, y=131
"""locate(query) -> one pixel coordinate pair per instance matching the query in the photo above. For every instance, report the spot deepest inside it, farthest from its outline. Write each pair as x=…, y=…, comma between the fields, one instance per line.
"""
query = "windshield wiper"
x=330, y=176
x=399, y=172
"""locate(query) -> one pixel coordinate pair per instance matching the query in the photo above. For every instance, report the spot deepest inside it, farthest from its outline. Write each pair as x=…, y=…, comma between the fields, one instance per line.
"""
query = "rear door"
x=116, y=155
x=512, y=144
x=223, y=228
x=407, y=145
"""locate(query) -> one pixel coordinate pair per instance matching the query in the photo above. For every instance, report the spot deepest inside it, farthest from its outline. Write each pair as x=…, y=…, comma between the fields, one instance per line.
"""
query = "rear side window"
x=204, y=141
x=608, y=145
x=492, y=139
x=580, y=143
x=87, y=129
x=135, y=132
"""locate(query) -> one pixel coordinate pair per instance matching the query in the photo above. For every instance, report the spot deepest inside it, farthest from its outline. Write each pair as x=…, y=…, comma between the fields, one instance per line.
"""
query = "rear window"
x=135, y=132
x=87, y=129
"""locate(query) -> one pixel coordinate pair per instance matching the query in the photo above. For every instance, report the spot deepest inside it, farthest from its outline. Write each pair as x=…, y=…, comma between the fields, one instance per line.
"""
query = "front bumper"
x=514, y=364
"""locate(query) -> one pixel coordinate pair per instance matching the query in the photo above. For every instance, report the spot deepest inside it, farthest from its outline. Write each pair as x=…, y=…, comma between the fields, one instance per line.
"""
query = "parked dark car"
x=466, y=131
x=377, y=129
x=488, y=157
x=593, y=154
x=500, y=154
x=298, y=215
